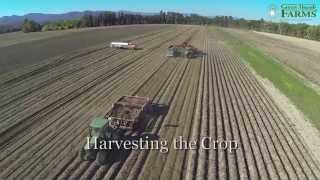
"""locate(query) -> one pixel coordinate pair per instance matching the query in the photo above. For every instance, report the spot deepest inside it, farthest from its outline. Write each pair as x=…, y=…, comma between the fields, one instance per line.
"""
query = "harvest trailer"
x=123, y=45
x=125, y=115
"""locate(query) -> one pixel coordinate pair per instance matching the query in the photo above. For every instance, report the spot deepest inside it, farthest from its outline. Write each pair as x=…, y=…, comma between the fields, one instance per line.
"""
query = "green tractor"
x=125, y=115
x=99, y=129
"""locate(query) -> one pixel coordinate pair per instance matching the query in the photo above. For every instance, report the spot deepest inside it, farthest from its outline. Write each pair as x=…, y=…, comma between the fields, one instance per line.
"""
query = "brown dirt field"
x=303, y=43
x=298, y=54
x=31, y=52
x=309, y=133
x=8, y=39
x=45, y=111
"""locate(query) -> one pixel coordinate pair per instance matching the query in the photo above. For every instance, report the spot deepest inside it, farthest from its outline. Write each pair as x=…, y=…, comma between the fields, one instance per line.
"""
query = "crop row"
x=211, y=96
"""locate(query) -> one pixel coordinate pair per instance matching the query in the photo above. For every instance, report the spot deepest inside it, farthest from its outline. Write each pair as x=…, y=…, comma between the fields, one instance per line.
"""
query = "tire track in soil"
x=264, y=116
x=217, y=96
x=298, y=151
x=104, y=168
x=80, y=75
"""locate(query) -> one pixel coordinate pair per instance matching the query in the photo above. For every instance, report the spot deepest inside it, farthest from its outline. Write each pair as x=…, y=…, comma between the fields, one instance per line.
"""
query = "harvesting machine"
x=182, y=50
x=125, y=115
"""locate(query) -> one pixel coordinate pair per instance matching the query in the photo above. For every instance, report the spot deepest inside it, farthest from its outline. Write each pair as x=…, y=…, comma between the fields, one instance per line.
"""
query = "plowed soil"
x=46, y=108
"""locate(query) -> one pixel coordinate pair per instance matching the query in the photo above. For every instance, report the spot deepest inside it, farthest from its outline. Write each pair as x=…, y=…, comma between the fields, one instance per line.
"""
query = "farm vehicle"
x=125, y=115
x=123, y=45
x=183, y=50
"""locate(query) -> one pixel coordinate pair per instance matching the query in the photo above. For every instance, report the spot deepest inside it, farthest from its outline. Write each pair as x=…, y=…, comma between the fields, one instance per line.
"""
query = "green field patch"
x=304, y=97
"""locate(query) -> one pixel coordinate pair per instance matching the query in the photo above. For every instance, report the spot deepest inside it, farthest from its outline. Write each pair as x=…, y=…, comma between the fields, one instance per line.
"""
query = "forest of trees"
x=300, y=30
x=109, y=18
x=61, y=25
x=7, y=29
x=121, y=18
x=30, y=26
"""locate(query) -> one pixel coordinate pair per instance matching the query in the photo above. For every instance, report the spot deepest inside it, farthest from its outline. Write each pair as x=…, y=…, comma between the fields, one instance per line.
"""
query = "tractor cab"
x=95, y=128
x=99, y=129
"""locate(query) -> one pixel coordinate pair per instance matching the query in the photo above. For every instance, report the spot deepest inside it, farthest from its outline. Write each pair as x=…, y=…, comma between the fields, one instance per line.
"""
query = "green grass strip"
x=304, y=97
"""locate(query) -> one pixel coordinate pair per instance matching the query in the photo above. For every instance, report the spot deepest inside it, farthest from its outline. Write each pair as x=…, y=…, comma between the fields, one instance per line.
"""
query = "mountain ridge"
x=16, y=20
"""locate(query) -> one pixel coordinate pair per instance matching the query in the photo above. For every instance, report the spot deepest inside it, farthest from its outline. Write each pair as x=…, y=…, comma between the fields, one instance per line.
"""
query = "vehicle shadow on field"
x=157, y=111
x=135, y=49
x=149, y=120
x=201, y=54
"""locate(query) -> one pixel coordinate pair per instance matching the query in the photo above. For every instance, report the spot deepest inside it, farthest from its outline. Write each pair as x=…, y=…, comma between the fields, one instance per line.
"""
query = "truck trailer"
x=123, y=45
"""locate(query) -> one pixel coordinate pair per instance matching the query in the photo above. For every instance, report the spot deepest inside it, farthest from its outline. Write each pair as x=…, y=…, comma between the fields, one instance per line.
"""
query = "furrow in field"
x=282, y=159
x=71, y=66
x=117, y=63
x=213, y=96
x=298, y=156
x=150, y=68
x=135, y=160
x=103, y=169
x=76, y=80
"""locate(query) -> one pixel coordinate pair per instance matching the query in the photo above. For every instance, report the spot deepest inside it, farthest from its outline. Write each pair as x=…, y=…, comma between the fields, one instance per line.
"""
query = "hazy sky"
x=250, y=9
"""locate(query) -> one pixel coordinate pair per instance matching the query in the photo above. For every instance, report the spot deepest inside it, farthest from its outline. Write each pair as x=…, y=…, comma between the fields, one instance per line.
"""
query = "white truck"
x=123, y=45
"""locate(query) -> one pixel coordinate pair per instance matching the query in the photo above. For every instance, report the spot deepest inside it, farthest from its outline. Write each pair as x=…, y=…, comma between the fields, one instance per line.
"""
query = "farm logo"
x=298, y=10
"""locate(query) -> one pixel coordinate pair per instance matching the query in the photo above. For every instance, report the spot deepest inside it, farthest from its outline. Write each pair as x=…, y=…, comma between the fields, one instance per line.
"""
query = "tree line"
x=7, y=29
x=109, y=18
x=300, y=30
x=122, y=18
x=115, y=18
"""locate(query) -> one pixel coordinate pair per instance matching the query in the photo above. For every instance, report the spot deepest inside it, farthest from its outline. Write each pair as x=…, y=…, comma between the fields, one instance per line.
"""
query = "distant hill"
x=41, y=18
